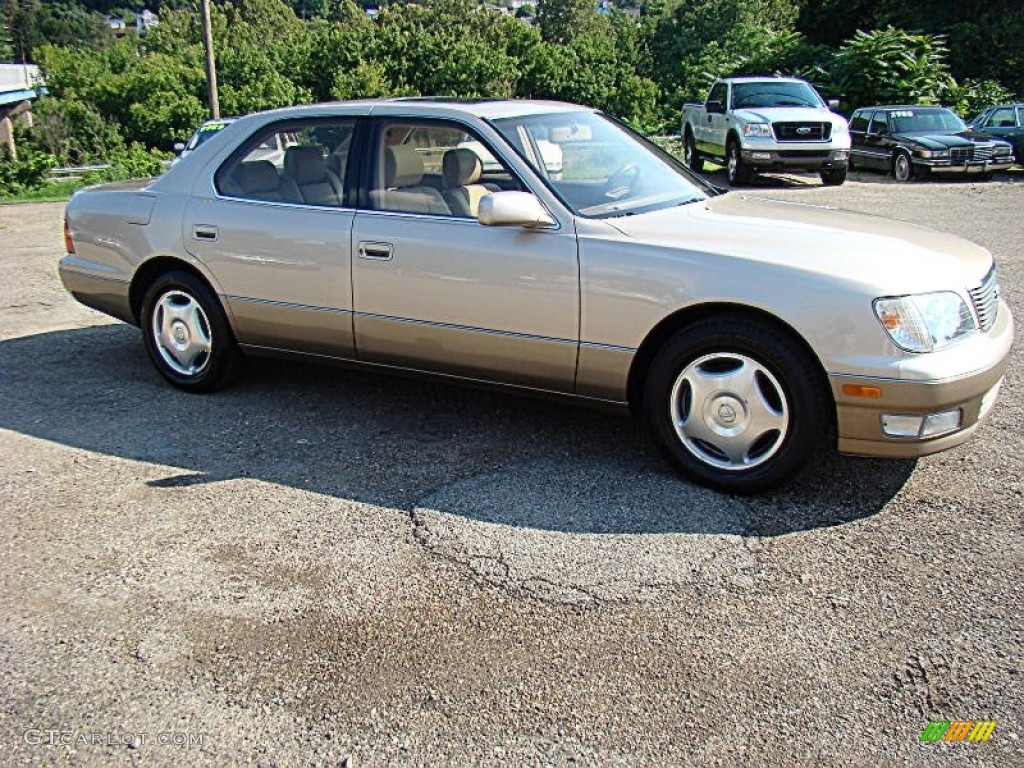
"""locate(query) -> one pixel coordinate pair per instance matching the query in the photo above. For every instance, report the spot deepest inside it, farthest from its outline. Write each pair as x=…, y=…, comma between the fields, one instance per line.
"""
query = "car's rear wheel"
x=186, y=333
x=833, y=177
x=736, y=405
x=738, y=173
x=691, y=159
x=902, y=167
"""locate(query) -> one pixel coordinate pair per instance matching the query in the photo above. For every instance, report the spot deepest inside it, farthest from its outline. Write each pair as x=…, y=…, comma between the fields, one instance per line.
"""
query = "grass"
x=52, y=193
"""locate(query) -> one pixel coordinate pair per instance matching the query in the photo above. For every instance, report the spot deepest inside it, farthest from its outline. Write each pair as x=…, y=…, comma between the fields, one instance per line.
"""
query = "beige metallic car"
x=750, y=333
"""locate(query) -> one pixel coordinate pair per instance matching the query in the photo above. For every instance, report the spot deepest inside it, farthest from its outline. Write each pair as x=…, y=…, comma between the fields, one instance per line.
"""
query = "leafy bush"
x=28, y=172
x=891, y=66
x=972, y=96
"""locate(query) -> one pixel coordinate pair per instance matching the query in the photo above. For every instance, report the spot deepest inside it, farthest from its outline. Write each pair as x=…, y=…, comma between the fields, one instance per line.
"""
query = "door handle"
x=375, y=251
x=206, y=232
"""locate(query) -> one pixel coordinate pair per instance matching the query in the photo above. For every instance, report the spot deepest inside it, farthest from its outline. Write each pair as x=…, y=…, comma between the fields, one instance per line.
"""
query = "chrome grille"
x=984, y=151
x=802, y=131
x=986, y=300
x=959, y=155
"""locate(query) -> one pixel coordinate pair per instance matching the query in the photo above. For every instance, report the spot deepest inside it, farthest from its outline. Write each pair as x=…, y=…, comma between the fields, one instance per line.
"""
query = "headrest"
x=256, y=176
x=305, y=164
x=403, y=166
x=461, y=167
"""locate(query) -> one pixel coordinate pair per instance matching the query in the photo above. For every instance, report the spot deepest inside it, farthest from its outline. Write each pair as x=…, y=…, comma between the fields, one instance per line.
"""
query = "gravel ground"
x=320, y=566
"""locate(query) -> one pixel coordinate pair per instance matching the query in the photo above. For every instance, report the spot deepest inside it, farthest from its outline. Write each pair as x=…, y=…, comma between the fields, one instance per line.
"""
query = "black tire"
x=738, y=173
x=833, y=177
x=175, y=343
x=902, y=167
x=784, y=414
x=691, y=159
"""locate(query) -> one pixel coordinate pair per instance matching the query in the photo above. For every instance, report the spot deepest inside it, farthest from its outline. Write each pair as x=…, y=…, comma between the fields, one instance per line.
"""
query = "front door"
x=433, y=289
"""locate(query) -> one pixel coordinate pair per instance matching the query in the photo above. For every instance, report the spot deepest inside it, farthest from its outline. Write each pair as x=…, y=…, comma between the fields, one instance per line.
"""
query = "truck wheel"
x=833, y=177
x=737, y=172
x=902, y=168
x=186, y=333
x=736, y=405
x=691, y=159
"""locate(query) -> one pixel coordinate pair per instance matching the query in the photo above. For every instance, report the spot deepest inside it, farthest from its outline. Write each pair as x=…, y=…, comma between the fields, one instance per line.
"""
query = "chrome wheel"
x=729, y=411
x=733, y=162
x=181, y=333
x=901, y=169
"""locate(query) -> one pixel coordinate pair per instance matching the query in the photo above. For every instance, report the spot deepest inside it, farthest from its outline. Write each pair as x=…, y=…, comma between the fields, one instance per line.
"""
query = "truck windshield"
x=773, y=93
x=605, y=169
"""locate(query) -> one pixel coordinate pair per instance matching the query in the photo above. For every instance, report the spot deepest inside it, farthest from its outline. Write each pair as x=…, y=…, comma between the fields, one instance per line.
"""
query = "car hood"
x=889, y=256
x=947, y=140
x=788, y=115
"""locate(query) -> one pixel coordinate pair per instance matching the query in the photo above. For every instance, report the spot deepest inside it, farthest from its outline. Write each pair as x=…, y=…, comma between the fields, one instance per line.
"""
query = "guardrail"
x=74, y=172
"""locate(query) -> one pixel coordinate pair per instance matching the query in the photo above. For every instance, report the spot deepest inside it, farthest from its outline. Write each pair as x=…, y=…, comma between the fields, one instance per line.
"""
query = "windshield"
x=204, y=132
x=774, y=93
x=598, y=167
x=925, y=121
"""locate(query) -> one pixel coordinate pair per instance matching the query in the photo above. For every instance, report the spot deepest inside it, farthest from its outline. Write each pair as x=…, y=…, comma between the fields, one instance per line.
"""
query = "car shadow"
x=403, y=443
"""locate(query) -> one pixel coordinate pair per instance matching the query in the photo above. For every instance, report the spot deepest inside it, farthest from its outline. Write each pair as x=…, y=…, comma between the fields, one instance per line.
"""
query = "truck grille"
x=986, y=300
x=802, y=131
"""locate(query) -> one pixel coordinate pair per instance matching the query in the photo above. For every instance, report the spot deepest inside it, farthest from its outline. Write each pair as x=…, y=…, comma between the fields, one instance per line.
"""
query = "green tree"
x=562, y=20
x=891, y=66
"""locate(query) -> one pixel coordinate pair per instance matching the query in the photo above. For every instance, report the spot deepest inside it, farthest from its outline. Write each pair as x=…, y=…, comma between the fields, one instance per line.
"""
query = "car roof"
x=431, y=106
x=907, y=106
x=762, y=78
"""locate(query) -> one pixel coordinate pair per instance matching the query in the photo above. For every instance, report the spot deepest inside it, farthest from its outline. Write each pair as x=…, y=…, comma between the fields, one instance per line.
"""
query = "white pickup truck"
x=752, y=124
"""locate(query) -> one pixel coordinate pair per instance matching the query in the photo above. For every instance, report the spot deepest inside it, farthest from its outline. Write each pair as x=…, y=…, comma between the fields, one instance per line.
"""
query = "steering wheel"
x=621, y=182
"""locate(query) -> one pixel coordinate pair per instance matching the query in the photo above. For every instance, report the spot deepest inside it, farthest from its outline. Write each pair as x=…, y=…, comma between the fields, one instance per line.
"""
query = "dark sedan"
x=1005, y=122
x=916, y=141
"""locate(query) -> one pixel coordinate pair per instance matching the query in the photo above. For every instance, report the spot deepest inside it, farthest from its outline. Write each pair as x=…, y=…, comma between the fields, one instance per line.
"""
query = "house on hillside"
x=145, y=19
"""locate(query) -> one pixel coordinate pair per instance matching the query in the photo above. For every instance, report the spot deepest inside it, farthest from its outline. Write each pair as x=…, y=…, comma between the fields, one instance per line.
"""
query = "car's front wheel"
x=736, y=405
x=902, y=167
x=738, y=172
x=833, y=177
x=186, y=333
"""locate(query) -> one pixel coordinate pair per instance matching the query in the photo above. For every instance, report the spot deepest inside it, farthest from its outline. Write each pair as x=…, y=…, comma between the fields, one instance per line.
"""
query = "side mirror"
x=833, y=104
x=179, y=146
x=714, y=108
x=513, y=209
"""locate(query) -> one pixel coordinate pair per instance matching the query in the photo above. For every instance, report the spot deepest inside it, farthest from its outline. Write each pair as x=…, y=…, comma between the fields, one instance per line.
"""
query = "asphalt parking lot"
x=328, y=567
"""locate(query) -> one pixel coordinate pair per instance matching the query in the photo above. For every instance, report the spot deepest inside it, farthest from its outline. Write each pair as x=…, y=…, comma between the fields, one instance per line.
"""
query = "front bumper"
x=860, y=419
x=796, y=159
x=980, y=166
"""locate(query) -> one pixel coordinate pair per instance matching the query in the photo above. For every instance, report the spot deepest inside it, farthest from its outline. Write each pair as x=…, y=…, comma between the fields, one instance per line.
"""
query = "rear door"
x=277, y=236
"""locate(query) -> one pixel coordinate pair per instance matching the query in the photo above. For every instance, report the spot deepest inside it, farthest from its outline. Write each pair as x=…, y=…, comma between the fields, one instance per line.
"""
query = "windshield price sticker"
x=903, y=113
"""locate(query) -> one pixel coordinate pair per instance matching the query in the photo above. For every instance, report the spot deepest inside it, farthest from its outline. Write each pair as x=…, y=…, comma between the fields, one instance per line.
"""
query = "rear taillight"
x=69, y=244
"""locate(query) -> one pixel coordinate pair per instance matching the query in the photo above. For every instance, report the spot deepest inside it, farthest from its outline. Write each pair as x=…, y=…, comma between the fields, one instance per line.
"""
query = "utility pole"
x=211, y=65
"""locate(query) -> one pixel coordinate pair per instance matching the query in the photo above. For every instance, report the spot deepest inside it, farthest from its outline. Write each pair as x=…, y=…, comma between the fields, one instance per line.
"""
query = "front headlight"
x=1003, y=151
x=933, y=153
x=757, y=129
x=926, y=322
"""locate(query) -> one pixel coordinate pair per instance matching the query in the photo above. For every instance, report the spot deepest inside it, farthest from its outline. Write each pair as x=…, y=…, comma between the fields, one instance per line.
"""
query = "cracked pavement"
x=321, y=566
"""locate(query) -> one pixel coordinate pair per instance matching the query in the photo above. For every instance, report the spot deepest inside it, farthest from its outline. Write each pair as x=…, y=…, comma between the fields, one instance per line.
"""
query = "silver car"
x=751, y=334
